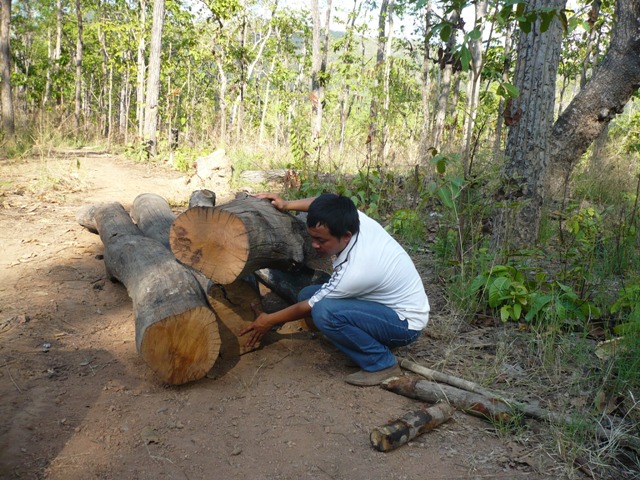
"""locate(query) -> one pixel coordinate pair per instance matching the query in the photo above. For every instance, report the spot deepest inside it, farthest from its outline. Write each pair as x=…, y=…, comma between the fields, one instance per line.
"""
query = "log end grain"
x=182, y=348
x=212, y=241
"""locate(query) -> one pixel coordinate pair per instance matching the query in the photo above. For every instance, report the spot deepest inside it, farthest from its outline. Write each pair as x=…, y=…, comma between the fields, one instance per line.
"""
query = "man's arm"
x=266, y=321
x=300, y=205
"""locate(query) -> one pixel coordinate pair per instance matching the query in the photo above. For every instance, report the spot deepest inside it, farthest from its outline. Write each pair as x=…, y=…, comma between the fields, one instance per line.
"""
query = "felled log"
x=237, y=306
x=287, y=285
x=154, y=218
x=176, y=330
x=202, y=198
x=233, y=240
x=409, y=426
x=414, y=387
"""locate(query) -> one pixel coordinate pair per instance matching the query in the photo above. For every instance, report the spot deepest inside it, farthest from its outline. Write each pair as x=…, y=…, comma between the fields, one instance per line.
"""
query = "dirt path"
x=77, y=401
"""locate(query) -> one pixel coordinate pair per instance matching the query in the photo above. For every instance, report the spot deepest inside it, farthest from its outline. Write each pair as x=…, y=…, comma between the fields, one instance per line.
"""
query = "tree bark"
x=6, y=99
x=517, y=222
x=176, y=330
x=140, y=68
x=409, y=426
x=233, y=240
x=202, y=198
x=603, y=97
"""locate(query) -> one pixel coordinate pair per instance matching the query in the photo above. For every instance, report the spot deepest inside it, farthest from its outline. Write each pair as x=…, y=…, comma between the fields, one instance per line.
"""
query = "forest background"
x=505, y=132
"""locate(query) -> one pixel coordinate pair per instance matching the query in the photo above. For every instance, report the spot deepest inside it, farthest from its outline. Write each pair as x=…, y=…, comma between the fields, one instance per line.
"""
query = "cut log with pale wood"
x=154, y=218
x=414, y=387
x=176, y=330
x=233, y=240
x=409, y=426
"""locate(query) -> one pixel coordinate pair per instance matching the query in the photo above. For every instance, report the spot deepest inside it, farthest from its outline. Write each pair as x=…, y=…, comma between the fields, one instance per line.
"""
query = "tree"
x=153, y=79
x=603, y=97
x=530, y=117
x=8, y=122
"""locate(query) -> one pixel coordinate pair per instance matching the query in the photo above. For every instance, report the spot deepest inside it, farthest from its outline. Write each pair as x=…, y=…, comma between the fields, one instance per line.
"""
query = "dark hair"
x=339, y=214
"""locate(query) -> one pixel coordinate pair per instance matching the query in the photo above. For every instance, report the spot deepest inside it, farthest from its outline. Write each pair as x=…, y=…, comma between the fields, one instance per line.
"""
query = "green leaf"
x=445, y=32
x=545, y=20
x=517, y=310
x=505, y=313
x=465, y=57
x=498, y=290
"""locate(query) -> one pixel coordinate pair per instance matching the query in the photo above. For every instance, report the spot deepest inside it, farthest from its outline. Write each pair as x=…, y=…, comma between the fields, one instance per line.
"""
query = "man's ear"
x=348, y=235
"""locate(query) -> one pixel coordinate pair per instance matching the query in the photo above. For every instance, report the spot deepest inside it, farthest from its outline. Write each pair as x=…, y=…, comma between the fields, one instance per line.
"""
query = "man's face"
x=325, y=244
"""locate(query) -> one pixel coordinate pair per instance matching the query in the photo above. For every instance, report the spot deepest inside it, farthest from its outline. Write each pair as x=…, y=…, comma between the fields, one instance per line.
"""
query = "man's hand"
x=258, y=328
x=276, y=200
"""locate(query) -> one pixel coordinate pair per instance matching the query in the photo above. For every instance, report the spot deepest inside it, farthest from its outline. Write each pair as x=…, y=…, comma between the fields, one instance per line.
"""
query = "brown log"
x=202, y=198
x=414, y=387
x=176, y=330
x=233, y=240
x=237, y=305
x=409, y=426
x=154, y=218
x=287, y=285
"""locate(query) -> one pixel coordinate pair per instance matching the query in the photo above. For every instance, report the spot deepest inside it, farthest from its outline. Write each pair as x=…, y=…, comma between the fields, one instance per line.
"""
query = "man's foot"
x=369, y=379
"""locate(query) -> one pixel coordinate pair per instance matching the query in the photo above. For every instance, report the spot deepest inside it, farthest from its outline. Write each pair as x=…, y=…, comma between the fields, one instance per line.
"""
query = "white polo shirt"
x=374, y=267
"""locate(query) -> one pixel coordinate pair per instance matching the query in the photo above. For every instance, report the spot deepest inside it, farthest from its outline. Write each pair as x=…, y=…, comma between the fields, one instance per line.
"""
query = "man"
x=374, y=300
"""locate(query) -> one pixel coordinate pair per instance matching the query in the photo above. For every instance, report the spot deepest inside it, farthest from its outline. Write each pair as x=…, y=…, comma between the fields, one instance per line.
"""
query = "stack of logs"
x=193, y=278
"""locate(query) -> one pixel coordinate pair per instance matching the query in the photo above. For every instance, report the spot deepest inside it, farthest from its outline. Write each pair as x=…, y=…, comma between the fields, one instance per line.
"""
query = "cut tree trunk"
x=412, y=424
x=154, y=218
x=202, y=198
x=176, y=330
x=287, y=285
x=233, y=240
x=237, y=306
x=430, y=392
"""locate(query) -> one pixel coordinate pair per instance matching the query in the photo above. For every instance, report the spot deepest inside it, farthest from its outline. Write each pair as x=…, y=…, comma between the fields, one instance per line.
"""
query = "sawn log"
x=409, y=426
x=176, y=330
x=233, y=240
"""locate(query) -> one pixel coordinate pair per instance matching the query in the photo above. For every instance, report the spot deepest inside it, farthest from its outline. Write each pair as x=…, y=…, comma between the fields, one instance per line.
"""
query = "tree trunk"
x=411, y=425
x=425, y=134
x=473, y=88
x=446, y=60
x=8, y=121
x=153, y=79
x=176, y=330
x=140, y=72
x=517, y=222
x=233, y=240
x=79, y=52
x=604, y=96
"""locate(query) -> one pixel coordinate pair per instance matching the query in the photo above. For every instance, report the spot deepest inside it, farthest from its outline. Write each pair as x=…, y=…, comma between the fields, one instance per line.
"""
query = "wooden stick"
x=409, y=426
x=539, y=413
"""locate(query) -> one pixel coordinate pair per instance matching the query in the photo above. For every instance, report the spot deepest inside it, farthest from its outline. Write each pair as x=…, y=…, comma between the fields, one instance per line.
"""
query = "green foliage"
x=408, y=225
x=627, y=310
x=506, y=290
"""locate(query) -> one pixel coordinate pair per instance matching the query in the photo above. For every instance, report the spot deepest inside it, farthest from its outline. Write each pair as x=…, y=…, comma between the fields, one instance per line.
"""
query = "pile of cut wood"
x=193, y=278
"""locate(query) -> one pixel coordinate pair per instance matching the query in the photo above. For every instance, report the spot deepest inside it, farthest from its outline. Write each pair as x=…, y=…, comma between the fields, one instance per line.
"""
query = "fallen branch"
x=409, y=426
x=468, y=402
x=532, y=411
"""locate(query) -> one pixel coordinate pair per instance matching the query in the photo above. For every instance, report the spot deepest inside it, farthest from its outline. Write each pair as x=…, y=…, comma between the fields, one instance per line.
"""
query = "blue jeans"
x=363, y=330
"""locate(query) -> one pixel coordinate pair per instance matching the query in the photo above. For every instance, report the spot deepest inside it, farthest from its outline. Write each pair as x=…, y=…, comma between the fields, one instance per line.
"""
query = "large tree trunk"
x=603, y=97
x=140, y=68
x=6, y=100
x=176, y=330
x=233, y=240
x=527, y=154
